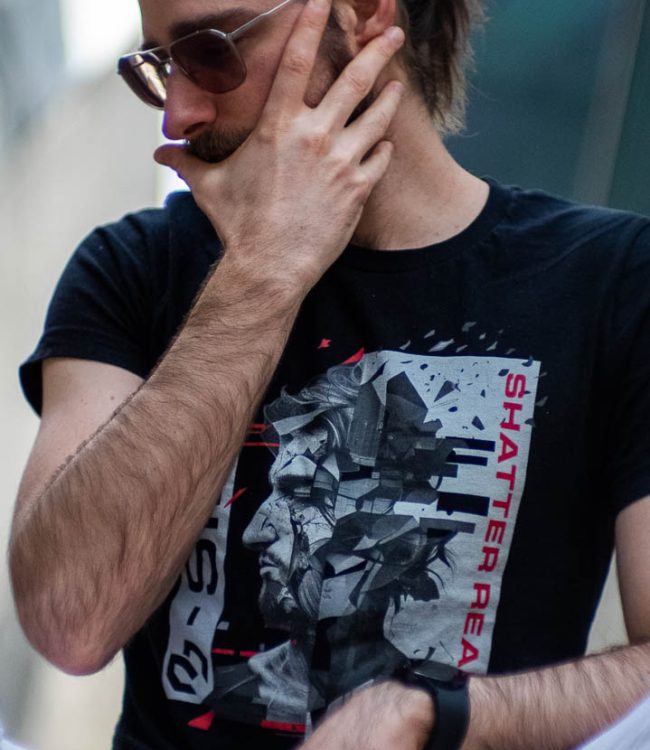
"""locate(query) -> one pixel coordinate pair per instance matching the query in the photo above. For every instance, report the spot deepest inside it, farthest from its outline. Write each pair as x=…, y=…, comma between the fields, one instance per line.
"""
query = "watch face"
x=445, y=673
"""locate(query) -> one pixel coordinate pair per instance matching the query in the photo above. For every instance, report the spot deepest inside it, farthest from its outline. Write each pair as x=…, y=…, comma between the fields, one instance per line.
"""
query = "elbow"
x=69, y=631
x=74, y=660
x=78, y=663
x=75, y=653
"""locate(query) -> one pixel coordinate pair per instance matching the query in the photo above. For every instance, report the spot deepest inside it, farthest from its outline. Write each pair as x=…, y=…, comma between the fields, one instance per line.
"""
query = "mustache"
x=215, y=146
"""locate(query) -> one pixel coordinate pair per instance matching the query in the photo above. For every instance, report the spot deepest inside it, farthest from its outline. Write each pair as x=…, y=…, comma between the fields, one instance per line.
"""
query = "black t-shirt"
x=434, y=473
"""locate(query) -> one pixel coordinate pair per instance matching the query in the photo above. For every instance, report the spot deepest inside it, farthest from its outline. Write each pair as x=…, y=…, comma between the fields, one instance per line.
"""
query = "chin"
x=279, y=608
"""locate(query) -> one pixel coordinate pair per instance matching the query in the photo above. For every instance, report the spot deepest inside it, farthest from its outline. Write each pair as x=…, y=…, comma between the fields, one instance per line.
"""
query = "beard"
x=292, y=604
x=334, y=55
x=216, y=145
x=279, y=608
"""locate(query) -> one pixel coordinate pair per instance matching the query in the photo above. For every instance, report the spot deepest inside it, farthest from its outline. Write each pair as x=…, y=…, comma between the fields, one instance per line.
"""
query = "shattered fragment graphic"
x=203, y=722
x=355, y=357
x=440, y=346
x=369, y=536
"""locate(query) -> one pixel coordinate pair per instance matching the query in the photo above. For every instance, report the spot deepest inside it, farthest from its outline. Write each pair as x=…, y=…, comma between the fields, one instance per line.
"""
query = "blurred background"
x=559, y=101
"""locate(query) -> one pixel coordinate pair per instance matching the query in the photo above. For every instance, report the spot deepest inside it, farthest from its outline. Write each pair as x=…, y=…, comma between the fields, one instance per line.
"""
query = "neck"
x=425, y=197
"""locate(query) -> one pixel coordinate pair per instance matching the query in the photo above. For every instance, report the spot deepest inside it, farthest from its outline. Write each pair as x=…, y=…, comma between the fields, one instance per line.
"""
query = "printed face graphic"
x=319, y=523
x=287, y=531
x=382, y=534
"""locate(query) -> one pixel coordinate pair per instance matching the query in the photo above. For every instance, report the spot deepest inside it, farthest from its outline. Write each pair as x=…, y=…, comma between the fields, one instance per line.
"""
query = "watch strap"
x=450, y=698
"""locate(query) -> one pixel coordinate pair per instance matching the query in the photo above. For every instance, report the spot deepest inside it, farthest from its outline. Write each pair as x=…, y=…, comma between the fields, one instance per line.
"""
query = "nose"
x=189, y=110
x=260, y=532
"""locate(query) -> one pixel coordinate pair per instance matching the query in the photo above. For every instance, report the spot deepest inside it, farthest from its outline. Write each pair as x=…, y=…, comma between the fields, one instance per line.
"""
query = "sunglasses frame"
x=162, y=57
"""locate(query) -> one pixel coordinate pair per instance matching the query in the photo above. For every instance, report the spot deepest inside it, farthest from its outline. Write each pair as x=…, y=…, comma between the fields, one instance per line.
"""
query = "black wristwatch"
x=447, y=687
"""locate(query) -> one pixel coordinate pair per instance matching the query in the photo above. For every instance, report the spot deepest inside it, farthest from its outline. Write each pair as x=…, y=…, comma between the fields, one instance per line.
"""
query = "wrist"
x=285, y=272
x=447, y=688
x=407, y=713
x=421, y=712
x=254, y=289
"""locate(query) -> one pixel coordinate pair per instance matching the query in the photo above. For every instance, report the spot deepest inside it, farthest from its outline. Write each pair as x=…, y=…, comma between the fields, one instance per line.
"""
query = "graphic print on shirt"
x=395, y=487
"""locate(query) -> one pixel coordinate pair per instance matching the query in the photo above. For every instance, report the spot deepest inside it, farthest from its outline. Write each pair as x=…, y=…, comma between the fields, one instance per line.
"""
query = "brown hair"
x=437, y=51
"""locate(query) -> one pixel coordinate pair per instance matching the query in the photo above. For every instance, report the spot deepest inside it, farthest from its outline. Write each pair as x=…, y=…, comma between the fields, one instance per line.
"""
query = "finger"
x=292, y=77
x=375, y=166
x=189, y=168
x=359, y=76
x=372, y=126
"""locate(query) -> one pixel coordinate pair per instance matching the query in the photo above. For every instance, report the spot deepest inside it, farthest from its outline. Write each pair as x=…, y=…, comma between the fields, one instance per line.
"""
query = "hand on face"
x=287, y=201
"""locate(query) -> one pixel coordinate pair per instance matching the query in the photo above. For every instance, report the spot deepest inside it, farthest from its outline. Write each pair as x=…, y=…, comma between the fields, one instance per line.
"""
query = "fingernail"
x=395, y=34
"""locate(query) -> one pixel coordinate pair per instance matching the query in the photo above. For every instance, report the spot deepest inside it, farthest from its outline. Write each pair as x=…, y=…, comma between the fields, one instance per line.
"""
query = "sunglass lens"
x=211, y=61
x=145, y=78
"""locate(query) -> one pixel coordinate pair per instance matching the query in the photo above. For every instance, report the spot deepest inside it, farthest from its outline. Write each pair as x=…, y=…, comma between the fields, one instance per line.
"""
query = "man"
x=346, y=234
x=343, y=572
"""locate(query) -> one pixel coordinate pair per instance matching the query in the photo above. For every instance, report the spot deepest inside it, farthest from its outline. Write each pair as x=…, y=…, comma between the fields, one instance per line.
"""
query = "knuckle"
x=312, y=21
x=317, y=140
x=386, y=47
x=382, y=120
x=361, y=185
x=342, y=167
x=266, y=133
x=296, y=63
x=358, y=82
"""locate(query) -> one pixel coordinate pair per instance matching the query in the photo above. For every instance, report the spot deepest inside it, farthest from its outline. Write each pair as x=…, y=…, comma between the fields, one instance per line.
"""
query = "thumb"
x=186, y=166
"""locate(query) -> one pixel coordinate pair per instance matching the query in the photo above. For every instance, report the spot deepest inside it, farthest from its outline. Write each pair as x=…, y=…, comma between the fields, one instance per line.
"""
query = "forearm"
x=95, y=553
x=103, y=544
x=557, y=707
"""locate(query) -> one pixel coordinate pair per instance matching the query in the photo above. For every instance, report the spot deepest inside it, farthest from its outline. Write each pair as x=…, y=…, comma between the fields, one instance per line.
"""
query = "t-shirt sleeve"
x=101, y=309
x=628, y=390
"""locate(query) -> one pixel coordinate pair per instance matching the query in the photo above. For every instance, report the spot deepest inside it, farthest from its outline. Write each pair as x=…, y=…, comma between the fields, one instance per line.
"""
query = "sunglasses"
x=209, y=58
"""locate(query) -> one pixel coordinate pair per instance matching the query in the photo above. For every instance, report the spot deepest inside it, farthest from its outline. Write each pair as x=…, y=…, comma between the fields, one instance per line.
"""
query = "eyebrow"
x=230, y=19
x=288, y=483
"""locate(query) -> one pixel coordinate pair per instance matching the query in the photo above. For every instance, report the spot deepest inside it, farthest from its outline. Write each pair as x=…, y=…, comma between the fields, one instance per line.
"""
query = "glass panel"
x=549, y=98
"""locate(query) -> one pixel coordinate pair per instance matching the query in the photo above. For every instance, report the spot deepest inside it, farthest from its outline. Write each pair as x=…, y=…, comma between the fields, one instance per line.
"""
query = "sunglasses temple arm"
x=249, y=24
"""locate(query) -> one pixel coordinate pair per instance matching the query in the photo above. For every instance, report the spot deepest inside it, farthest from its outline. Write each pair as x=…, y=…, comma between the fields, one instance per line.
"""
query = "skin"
x=192, y=412
x=424, y=196
x=91, y=553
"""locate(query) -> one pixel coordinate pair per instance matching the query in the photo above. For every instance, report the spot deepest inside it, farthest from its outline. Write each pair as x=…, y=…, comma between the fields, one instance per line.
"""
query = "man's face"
x=317, y=521
x=215, y=125
x=287, y=530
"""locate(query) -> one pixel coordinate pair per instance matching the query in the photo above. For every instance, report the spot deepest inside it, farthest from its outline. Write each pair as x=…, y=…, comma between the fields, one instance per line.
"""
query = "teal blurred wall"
x=560, y=99
x=631, y=180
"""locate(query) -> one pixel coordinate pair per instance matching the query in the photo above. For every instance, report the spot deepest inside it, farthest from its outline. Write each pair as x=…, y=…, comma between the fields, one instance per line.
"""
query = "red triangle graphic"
x=202, y=722
x=355, y=357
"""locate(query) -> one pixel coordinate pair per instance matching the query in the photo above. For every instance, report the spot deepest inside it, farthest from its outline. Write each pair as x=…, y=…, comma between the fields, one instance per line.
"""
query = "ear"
x=368, y=19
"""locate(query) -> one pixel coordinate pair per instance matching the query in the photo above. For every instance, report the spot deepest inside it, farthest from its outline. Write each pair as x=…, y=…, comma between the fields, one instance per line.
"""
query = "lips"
x=269, y=569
